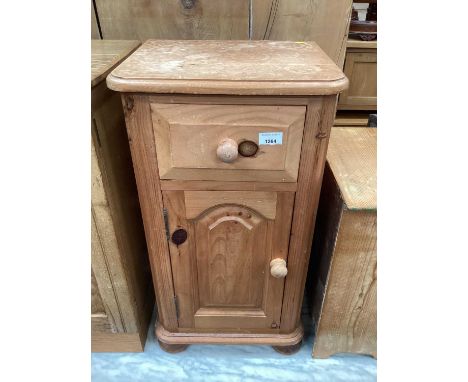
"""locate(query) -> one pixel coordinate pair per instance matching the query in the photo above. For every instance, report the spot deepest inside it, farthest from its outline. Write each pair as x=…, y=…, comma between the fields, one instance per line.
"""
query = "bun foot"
x=172, y=348
x=288, y=350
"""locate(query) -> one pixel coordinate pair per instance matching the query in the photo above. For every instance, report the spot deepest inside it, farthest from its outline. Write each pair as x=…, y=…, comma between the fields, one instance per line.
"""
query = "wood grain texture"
x=140, y=133
x=99, y=261
x=120, y=264
x=231, y=258
x=344, y=250
x=280, y=247
x=361, y=69
x=97, y=305
x=229, y=67
x=352, y=155
x=220, y=99
x=115, y=263
x=319, y=119
x=119, y=256
x=183, y=261
x=187, y=138
x=170, y=19
x=117, y=342
x=221, y=275
x=348, y=320
x=207, y=185
x=197, y=202
x=325, y=22
x=106, y=55
x=100, y=323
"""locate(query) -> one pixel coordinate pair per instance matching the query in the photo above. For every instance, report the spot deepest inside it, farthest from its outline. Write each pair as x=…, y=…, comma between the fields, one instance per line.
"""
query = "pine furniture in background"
x=325, y=22
x=344, y=254
x=122, y=297
x=361, y=69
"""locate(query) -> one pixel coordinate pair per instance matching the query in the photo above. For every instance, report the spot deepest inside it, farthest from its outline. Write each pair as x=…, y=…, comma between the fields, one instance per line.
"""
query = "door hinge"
x=176, y=303
x=166, y=222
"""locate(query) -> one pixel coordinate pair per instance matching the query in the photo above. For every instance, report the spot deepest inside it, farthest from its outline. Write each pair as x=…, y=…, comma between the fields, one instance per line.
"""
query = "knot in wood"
x=188, y=4
x=321, y=135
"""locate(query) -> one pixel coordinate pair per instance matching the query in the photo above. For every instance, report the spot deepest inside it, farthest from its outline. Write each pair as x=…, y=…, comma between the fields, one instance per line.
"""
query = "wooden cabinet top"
x=229, y=67
x=352, y=157
x=106, y=55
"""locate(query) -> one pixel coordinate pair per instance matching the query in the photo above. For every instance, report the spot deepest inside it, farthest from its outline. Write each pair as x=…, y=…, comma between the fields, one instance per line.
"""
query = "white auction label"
x=275, y=138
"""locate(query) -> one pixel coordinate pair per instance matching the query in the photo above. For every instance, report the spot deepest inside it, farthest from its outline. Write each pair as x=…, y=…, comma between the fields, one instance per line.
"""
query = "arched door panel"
x=221, y=272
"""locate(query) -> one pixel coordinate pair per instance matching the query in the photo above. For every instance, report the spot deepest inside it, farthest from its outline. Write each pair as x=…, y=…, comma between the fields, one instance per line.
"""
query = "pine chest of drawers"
x=228, y=142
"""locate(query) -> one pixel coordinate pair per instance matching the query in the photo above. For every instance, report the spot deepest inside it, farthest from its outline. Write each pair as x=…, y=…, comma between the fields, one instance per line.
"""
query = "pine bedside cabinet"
x=228, y=142
x=344, y=250
x=122, y=297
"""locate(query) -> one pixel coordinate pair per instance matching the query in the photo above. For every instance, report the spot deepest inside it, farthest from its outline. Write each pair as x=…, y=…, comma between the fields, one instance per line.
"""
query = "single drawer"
x=213, y=142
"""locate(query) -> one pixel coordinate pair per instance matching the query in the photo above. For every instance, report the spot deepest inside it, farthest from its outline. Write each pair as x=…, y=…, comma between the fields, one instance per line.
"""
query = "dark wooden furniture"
x=364, y=29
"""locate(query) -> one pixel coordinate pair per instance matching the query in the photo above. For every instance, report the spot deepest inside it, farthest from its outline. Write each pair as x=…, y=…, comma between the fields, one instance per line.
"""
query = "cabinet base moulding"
x=274, y=339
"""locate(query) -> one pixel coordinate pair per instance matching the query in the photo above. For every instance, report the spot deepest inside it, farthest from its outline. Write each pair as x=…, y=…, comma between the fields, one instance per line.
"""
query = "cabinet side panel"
x=141, y=137
x=329, y=214
x=99, y=247
x=120, y=209
x=97, y=306
x=319, y=119
x=349, y=314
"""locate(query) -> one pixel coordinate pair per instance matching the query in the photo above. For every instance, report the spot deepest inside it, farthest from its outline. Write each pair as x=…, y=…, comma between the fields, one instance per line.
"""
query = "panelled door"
x=221, y=244
x=361, y=69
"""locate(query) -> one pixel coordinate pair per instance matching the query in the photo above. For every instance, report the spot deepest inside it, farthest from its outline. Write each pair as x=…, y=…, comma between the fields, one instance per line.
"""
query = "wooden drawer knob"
x=227, y=150
x=278, y=268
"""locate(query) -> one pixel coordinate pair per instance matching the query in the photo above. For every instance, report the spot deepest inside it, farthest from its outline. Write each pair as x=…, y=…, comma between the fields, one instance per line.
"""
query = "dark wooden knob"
x=179, y=236
x=248, y=148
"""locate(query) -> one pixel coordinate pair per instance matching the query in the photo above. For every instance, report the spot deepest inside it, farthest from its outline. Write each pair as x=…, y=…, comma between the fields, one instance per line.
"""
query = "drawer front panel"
x=187, y=138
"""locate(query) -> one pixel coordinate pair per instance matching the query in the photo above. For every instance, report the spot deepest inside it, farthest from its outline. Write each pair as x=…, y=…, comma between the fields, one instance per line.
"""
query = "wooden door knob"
x=278, y=268
x=227, y=150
